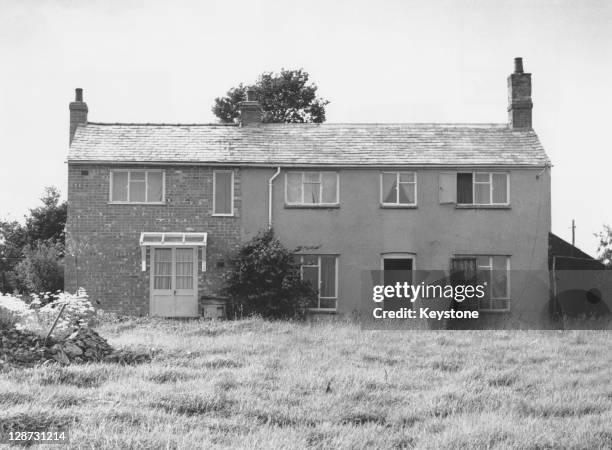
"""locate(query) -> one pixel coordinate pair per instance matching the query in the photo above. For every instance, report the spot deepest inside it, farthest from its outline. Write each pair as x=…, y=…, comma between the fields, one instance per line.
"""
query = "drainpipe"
x=277, y=173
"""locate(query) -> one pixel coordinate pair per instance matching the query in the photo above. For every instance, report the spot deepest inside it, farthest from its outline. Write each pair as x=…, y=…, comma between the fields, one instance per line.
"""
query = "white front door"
x=174, y=282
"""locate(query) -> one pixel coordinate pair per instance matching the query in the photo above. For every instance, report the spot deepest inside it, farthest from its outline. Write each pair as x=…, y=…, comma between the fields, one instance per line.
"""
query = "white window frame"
x=489, y=267
x=318, y=266
x=490, y=183
x=214, y=205
x=303, y=173
x=397, y=186
x=128, y=202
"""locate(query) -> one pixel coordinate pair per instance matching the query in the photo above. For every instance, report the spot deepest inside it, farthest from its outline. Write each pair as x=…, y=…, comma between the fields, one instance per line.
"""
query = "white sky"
x=377, y=61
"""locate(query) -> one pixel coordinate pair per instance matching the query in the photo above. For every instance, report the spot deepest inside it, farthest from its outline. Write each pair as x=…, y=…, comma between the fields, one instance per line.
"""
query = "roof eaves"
x=534, y=165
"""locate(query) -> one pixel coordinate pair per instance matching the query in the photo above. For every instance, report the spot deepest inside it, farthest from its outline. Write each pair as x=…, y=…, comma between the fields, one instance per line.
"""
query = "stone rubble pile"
x=84, y=345
x=22, y=348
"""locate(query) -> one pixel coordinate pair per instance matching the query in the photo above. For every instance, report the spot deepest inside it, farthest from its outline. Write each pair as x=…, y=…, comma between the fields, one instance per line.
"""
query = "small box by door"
x=213, y=308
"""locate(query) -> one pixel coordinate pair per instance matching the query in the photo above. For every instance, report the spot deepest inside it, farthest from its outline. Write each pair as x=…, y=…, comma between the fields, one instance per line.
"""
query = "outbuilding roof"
x=308, y=144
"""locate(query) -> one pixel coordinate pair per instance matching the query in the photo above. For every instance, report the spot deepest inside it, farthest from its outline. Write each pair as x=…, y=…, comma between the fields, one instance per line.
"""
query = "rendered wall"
x=360, y=231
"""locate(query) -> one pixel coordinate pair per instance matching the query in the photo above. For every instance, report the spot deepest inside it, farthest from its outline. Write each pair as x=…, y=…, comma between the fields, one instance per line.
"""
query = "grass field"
x=256, y=384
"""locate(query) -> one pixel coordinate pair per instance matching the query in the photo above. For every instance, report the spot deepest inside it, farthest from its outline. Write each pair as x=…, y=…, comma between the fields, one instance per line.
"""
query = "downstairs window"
x=494, y=270
x=322, y=273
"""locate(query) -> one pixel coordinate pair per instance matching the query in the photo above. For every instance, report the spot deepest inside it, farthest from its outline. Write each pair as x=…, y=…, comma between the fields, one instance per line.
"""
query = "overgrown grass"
x=257, y=384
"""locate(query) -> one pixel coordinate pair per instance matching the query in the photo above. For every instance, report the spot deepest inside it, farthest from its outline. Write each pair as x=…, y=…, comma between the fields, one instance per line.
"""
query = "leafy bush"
x=41, y=270
x=265, y=280
x=38, y=316
x=78, y=312
x=13, y=311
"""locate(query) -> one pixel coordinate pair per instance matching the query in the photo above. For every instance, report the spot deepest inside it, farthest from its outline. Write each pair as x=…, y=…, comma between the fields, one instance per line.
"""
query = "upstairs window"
x=398, y=188
x=483, y=188
x=223, y=195
x=137, y=186
x=311, y=188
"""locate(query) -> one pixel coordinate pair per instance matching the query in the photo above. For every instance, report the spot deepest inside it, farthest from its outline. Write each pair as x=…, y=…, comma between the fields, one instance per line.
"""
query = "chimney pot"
x=251, y=95
x=518, y=65
x=78, y=112
x=250, y=110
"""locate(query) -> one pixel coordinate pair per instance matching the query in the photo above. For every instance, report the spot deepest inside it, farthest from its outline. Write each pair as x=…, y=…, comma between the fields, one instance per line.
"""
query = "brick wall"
x=103, y=238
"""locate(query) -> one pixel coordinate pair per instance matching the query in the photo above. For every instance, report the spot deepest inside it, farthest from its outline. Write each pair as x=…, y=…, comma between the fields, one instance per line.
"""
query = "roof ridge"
x=158, y=124
x=357, y=124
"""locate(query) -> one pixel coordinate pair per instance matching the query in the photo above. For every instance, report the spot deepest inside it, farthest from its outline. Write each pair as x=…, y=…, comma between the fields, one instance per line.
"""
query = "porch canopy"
x=172, y=239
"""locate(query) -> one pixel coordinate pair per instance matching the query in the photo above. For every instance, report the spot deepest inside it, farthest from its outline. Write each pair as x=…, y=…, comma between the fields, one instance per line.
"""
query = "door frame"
x=173, y=279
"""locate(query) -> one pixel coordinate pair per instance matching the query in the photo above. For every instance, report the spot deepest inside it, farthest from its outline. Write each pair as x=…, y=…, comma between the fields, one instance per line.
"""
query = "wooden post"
x=55, y=323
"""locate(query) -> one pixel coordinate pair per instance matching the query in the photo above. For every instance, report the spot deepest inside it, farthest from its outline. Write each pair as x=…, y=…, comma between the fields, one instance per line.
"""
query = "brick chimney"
x=250, y=109
x=519, y=97
x=78, y=112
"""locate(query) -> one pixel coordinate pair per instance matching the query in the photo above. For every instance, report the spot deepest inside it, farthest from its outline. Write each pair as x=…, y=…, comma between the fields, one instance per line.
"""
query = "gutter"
x=270, y=181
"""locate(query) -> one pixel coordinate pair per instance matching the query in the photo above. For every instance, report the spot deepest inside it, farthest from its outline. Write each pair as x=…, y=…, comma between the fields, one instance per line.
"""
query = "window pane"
x=483, y=261
x=163, y=268
x=151, y=237
x=482, y=194
x=406, y=193
x=407, y=177
x=500, y=188
x=311, y=275
x=330, y=189
x=223, y=193
x=312, y=177
x=119, y=188
x=328, y=276
x=482, y=177
x=154, y=187
x=197, y=238
x=137, y=175
x=137, y=190
x=294, y=187
x=463, y=270
x=464, y=188
x=499, y=280
x=311, y=193
x=310, y=260
x=389, y=187
x=327, y=303
x=184, y=268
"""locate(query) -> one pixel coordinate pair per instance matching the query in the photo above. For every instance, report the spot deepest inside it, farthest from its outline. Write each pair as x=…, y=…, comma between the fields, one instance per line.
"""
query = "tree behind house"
x=604, y=250
x=286, y=97
x=30, y=254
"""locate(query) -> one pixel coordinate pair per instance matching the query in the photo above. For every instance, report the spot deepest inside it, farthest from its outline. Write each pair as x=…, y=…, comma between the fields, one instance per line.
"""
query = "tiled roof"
x=308, y=144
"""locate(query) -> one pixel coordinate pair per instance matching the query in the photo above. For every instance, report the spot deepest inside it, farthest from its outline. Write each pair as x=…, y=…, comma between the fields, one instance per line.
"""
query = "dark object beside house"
x=581, y=285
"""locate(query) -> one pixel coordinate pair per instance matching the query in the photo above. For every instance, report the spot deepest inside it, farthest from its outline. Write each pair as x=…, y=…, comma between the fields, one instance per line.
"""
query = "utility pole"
x=573, y=235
